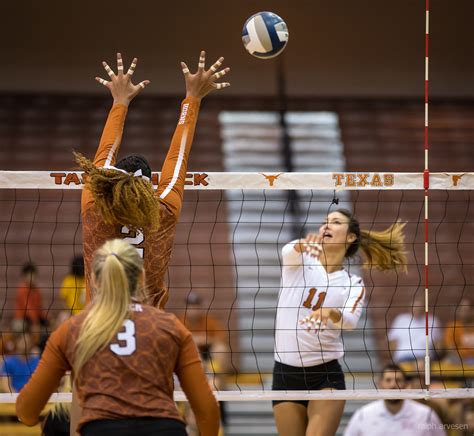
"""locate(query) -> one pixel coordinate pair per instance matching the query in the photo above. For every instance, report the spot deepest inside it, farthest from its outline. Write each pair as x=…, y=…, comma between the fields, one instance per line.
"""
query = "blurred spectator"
x=73, y=288
x=394, y=417
x=208, y=332
x=58, y=319
x=407, y=336
x=28, y=306
x=469, y=417
x=210, y=337
x=7, y=343
x=459, y=335
x=18, y=367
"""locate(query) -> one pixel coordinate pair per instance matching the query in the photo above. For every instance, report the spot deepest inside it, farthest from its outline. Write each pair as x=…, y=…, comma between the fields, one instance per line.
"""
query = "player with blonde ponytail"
x=123, y=355
x=319, y=298
x=117, y=270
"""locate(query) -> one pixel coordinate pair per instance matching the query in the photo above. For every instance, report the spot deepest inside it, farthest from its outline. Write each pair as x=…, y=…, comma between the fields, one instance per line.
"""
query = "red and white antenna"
x=426, y=186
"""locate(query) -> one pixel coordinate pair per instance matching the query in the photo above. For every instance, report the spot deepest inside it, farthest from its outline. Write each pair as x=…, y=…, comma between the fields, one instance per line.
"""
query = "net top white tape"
x=278, y=181
x=359, y=394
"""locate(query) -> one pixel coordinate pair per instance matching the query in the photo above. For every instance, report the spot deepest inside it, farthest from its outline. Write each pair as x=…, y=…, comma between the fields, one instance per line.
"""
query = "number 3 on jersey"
x=128, y=336
x=309, y=301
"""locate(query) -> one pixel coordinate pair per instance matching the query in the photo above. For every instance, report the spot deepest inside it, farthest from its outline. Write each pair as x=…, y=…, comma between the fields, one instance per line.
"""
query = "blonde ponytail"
x=386, y=249
x=116, y=269
x=121, y=198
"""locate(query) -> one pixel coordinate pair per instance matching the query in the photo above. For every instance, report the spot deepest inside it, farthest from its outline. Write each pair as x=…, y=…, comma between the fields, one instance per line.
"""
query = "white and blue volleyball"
x=265, y=35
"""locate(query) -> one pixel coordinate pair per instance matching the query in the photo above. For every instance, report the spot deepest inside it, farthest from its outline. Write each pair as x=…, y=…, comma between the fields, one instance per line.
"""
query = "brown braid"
x=384, y=250
x=121, y=198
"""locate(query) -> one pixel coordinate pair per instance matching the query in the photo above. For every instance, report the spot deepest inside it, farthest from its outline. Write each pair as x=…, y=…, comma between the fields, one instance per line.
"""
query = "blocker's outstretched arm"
x=123, y=92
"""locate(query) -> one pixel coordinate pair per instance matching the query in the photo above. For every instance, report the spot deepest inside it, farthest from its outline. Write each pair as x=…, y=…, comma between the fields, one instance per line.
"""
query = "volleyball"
x=265, y=35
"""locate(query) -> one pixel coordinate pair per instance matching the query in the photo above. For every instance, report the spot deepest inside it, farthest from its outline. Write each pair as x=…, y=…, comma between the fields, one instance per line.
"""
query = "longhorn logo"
x=457, y=178
x=271, y=178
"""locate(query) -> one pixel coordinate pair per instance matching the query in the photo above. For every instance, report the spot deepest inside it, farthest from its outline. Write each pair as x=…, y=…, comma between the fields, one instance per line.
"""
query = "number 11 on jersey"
x=309, y=301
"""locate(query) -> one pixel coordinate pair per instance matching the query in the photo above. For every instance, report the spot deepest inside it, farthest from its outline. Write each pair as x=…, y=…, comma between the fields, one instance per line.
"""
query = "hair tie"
x=137, y=173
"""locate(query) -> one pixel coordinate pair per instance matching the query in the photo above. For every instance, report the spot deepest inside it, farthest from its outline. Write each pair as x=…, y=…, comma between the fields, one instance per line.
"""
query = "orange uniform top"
x=460, y=339
x=131, y=377
x=206, y=327
x=28, y=303
x=154, y=245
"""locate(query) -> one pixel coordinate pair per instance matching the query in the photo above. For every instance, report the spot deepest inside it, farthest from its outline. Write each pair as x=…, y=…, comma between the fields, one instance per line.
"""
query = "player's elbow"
x=25, y=415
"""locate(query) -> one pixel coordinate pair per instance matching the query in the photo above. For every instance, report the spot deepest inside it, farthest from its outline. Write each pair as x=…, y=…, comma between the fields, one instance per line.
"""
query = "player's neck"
x=393, y=406
x=332, y=262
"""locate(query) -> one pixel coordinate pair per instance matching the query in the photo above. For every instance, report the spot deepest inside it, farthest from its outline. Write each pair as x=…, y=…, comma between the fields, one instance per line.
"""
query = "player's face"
x=393, y=380
x=335, y=231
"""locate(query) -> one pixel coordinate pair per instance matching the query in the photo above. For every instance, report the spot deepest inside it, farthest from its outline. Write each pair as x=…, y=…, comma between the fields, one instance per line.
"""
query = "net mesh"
x=225, y=272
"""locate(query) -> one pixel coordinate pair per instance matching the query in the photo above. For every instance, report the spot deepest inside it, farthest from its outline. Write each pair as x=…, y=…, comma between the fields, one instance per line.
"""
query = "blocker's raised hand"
x=120, y=85
x=203, y=82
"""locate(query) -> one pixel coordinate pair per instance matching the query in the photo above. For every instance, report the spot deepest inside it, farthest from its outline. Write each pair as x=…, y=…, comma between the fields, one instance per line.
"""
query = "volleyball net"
x=225, y=271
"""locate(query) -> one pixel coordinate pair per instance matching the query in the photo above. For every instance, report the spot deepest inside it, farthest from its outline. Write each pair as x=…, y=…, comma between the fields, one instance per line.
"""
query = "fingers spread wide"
x=217, y=64
x=108, y=70
x=119, y=64
x=143, y=83
x=133, y=65
x=102, y=81
x=221, y=85
x=185, y=68
x=202, y=60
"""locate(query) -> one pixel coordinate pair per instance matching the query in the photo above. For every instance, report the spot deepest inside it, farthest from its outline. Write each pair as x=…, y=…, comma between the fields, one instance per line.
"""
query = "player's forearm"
x=291, y=254
x=45, y=380
x=209, y=421
x=199, y=394
x=206, y=410
x=173, y=173
x=34, y=396
x=349, y=320
x=111, y=136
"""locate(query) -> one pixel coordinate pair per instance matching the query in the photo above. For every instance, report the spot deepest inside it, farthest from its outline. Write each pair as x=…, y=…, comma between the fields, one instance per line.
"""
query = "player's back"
x=133, y=375
x=154, y=246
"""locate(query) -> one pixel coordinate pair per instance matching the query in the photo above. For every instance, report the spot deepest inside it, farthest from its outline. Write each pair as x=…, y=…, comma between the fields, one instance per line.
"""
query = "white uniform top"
x=410, y=335
x=413, y=419
x=306, y=286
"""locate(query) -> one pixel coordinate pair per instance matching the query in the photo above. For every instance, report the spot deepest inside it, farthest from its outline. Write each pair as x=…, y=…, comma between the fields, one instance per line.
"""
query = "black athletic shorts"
x=310, y=378
x=134, y=427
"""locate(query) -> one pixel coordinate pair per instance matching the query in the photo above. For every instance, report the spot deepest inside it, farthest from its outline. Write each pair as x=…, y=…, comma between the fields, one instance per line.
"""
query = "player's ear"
x=351, y=237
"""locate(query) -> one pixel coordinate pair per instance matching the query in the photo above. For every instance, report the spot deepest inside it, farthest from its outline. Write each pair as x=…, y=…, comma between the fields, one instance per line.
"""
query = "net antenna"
x=426, y=186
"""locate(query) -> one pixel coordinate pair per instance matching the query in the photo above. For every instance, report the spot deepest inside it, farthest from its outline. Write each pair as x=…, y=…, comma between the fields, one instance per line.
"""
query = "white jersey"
x=305, y=287
x=413, y=419
x=410, y=336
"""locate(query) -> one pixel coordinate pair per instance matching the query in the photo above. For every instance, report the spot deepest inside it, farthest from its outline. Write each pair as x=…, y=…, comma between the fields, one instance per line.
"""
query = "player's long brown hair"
x=116, y=269
x=122, y=199
x=384, y=249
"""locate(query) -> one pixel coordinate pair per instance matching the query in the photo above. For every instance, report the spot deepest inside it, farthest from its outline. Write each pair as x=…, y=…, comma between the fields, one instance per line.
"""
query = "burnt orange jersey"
x=154, y=245
x=131, y=377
